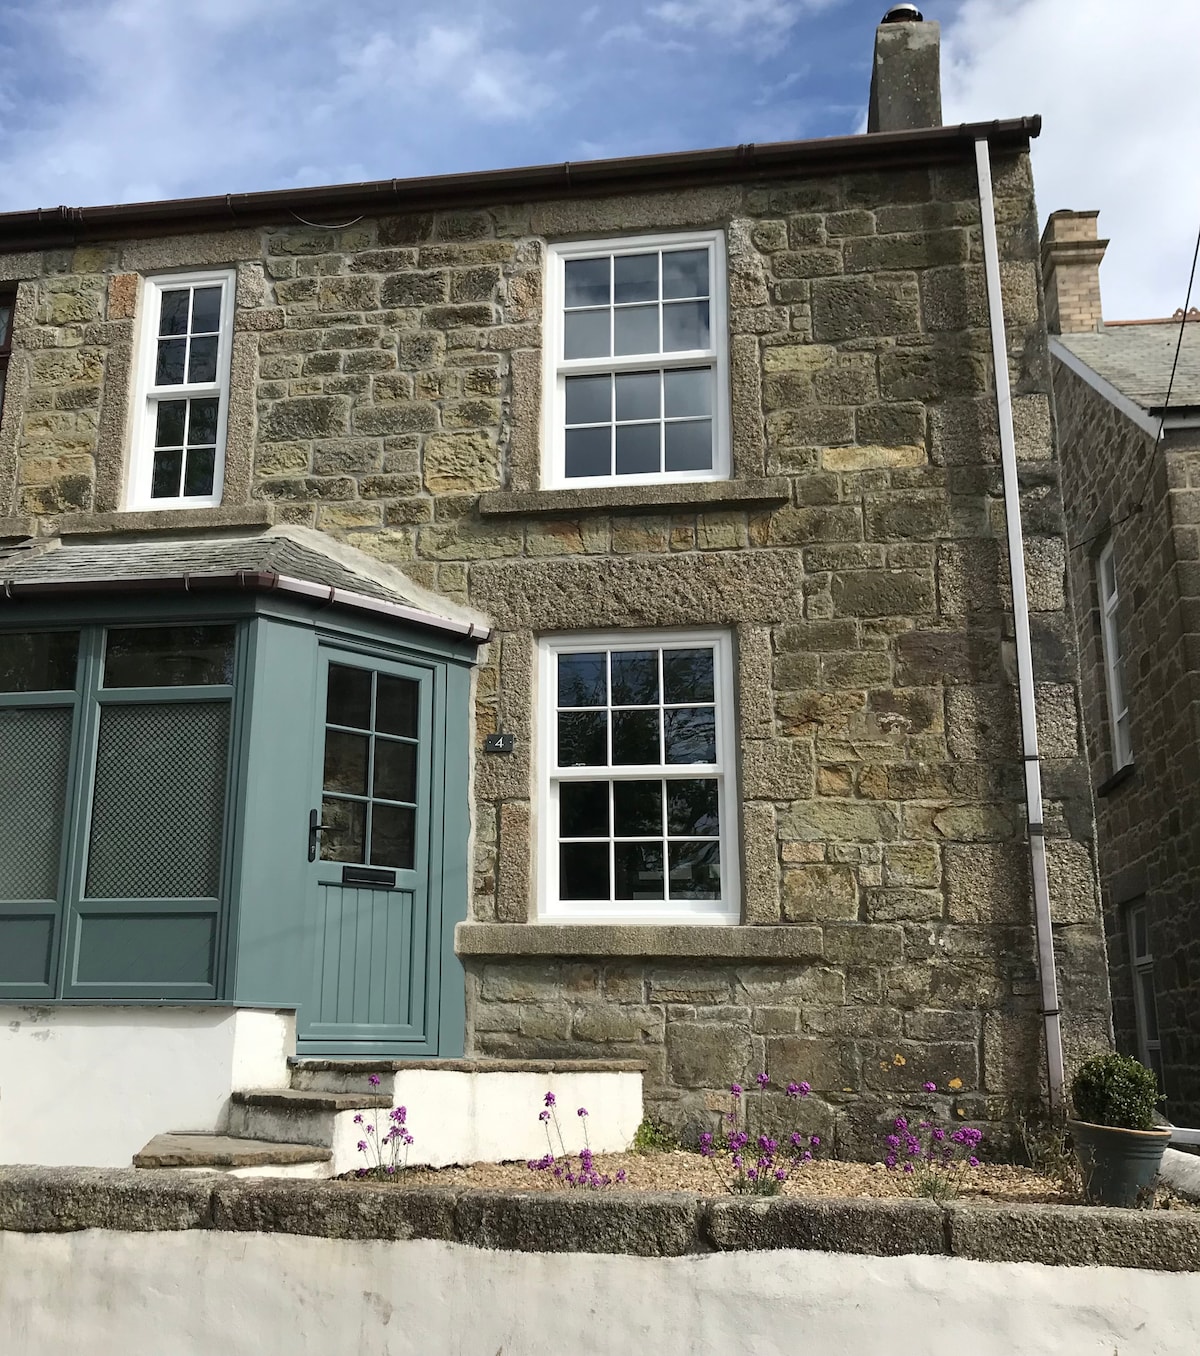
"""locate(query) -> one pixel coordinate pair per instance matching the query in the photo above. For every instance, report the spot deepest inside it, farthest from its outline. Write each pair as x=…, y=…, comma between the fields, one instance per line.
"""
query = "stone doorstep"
x=300, y=1063
x=59, y=1200
x=292, y=1099
x=225, y=1151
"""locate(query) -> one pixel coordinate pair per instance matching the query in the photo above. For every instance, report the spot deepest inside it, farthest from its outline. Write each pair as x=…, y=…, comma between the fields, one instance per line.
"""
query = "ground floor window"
x=1145, y=1002
x=638, y=783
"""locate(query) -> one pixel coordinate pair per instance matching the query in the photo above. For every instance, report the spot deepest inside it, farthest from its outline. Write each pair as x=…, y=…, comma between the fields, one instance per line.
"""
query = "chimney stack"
x=906, y=79
x=1071, y=256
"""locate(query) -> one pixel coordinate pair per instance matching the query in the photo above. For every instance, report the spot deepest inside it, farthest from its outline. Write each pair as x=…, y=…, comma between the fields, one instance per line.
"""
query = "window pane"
x=583, y=871
x=348, y=700
x=586, y=334
x=635, y=277
x=344, y=837
x=1149, y=1006
x=583, y=679
x=639, y=449
x=695, y=870
x=635, y=738
x=685, y=326
x=168, y=469
x=1141, y=944
x=395, y=770
x=638, y=396
x=635, y=330
x=201, y=471
x=346, y=762
x=635, y=677
x=169, y=427
x=692, y=808
x=689, y=392
x=583, y=810
x=206, y=310
x=587, y=281
x=168, y=656
x=589, y=400
x=688, y=675
x=6, y=315
x=202, y=362
x=169, y=369
x=202, y=422
x=38, y=661
x=588, y=452
x=691, y=735
x=639, y=869
x=396, y=706
x=173, y=317
x=393, y=836
x=685, y=273
x=582, y=739
x=637, y=809
x=689, y=446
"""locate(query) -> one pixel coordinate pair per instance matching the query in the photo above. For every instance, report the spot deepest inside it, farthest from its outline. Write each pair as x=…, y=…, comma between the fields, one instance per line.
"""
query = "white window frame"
x=1114, y=668
x=556, y=369
x=147, y=395
x=723, y=911
x=1141, y=967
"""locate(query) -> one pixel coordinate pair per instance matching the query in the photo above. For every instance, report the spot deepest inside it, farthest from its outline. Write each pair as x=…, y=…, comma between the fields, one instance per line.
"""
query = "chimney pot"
x=906, y=77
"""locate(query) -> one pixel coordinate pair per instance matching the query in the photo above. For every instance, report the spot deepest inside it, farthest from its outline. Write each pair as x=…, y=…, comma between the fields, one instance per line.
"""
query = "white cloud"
x=759, y=21
x=1118, y=89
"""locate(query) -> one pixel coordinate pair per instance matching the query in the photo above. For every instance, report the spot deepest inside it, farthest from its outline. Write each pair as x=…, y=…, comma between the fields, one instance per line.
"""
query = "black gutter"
x=55, y=227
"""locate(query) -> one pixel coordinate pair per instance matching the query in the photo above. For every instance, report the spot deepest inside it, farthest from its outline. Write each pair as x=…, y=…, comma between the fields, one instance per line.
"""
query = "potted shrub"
x=1117, y=1142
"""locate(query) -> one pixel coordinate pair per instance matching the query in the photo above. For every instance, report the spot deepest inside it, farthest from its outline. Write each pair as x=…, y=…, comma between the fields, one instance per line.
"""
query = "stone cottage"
x=559, y=613
x=1130, y=475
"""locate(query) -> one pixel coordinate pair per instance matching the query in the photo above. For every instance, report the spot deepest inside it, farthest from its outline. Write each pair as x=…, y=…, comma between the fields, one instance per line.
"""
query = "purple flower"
x=815, y=1141
x=735, y=1089
x=374, y=1080
x=900, y=1123
x=752, y=1173
x=391, y=1167
x=620, y=1174
x=582, y=1111
x=806, y=1157
x=548, y=1100
x=973, y=1161
x=892, y=1141
x=780, y=1175
x=358, y=1119
x=798, y=1089
x=929, y=1087
x=763, y=1079
x=362, y=1146
x=543, y=1115
x=890, y=1160
x=908, y=1167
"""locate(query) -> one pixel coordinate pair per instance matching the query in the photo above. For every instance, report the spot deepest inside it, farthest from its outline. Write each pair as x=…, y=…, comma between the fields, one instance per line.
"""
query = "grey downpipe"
x=1025, y=688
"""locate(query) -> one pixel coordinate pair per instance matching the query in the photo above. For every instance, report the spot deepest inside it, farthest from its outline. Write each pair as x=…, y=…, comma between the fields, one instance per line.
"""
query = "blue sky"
x=120, y=100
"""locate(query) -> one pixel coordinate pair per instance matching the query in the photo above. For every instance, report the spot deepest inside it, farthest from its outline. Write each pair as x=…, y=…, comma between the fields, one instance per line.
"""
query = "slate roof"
x=287, y=553
x=1137, y=359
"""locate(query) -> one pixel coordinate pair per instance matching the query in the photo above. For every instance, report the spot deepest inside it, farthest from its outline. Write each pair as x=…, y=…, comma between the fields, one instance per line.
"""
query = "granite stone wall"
x=387, y=389
x=1148, y=818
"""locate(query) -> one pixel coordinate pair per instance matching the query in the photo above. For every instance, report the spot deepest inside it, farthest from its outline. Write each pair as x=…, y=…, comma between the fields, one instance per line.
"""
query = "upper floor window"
x=182, y=399
x=637, y=361
x=1114, y=659
x=8, y=305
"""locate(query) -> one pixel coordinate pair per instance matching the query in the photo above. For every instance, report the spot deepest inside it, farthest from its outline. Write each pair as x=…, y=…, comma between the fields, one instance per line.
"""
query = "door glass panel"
x=168, y=656
x=365, y=772
x=38, y=661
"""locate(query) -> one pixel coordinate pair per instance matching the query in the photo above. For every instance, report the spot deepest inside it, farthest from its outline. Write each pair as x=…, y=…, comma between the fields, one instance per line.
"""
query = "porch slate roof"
x=1137, y=360
x=282, y=557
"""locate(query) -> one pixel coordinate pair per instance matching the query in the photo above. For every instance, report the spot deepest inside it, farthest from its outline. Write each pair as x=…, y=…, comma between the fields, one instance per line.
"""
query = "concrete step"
x=299, y=1116
x=235, y=1157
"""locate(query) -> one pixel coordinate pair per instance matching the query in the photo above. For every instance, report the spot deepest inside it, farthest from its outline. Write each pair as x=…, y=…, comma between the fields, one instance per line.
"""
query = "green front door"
x=374, y=850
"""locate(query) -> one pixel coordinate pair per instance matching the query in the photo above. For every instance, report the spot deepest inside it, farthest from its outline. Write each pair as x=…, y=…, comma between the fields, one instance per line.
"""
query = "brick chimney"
x=1071, y=255
x=906, y=78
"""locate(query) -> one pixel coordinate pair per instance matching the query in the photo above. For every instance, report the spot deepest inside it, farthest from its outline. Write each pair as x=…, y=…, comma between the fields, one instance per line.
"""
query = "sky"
x=125, y=100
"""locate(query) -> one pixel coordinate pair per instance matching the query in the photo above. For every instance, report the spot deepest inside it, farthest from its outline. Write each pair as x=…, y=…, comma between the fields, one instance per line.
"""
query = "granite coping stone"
x=535, y=1066
x=664, y=941
x=698, y=495
x=63, y=1200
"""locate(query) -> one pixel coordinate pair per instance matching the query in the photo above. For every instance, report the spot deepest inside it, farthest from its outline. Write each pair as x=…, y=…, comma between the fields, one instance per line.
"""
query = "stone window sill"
x=160, y=520
x=667, y=940
x=1119, y=778
x=699, y=496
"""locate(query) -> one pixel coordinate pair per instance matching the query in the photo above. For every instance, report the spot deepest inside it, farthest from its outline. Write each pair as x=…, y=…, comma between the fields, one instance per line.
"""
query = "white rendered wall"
x=200, y=1293
x=91, y=1085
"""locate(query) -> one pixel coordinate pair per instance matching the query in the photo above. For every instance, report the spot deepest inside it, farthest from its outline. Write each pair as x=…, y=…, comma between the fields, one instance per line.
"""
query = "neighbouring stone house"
x=556, y=613
x=1131, y=481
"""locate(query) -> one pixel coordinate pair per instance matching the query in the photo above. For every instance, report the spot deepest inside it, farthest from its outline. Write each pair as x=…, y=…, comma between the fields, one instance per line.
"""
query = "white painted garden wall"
x=199, y=1293
x=91, y=1085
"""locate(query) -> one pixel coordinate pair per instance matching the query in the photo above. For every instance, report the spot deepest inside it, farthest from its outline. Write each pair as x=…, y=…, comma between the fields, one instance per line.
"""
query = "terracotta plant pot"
x=1118, y=1166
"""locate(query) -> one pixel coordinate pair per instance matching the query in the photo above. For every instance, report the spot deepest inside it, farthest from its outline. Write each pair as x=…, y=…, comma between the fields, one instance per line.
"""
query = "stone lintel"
x=658, y=941
x=62, y=1200
x=156, y=520
x=702, y=495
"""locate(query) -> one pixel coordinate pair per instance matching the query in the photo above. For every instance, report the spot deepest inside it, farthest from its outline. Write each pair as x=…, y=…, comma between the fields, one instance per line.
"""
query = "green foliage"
x=1115, y=1090
x=1046, y=1145
x=654, y=1137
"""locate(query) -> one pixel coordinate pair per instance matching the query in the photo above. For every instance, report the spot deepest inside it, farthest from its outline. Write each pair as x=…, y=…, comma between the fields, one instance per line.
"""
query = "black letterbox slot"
x=369, y=875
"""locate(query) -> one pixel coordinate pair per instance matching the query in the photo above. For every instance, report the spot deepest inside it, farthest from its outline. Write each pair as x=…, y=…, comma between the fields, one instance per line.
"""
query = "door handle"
x=315, y=829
